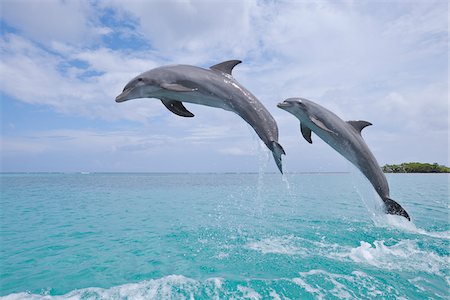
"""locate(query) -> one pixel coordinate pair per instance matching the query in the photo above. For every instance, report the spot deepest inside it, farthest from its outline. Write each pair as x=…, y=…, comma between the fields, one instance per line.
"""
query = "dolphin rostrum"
x=214, y=87
x=345, y=138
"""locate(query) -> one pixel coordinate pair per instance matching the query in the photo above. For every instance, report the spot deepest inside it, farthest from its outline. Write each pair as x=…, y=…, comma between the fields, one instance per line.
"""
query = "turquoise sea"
x=221, y=236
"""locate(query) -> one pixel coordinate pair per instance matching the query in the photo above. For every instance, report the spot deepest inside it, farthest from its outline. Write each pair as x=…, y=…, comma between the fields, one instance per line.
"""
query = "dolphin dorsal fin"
x=226, y=66
x=359, y=125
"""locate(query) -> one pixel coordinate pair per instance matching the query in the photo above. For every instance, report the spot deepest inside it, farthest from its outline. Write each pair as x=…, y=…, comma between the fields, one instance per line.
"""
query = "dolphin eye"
x=139, y=79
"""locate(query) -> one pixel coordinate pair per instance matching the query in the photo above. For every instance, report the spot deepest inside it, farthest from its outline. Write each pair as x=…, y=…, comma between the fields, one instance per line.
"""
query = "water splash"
x=284, y=178
x=367, y=194
x=375, y=207
x=405, y=255
x=400, y=223
x=263, y=159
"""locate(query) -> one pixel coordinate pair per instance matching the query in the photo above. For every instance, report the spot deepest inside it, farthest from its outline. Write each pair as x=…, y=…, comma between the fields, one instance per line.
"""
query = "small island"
x=415, y=167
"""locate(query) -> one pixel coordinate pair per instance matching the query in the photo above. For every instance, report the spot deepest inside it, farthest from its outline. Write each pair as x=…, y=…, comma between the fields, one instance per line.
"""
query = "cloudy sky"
x=63, y=62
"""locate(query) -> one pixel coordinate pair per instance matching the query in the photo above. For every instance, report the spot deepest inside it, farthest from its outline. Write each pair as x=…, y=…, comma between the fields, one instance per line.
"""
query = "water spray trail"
x=263, y=158
x=284, y=178
x=368, y=196
x=375, y=206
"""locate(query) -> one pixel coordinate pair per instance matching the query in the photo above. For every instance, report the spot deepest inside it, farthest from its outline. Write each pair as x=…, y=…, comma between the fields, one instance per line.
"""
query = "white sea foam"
x=277, y=245
x=321, y=284
x=292, y=245
x=405, y=255
x=169, y=287
x=314, y=290
x=274, y=295
x=222, y=255
x=249, y=293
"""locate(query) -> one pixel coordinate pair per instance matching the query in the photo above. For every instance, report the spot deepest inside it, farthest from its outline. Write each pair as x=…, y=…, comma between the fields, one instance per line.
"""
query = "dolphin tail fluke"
x=393, y=208
x=277, y=151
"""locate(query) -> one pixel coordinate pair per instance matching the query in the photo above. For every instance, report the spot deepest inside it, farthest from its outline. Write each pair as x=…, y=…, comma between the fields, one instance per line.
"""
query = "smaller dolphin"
x=213, y=87
x=345, y=138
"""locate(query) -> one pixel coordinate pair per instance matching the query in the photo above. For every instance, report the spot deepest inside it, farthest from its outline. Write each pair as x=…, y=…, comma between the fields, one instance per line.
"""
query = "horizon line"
x=166, y=172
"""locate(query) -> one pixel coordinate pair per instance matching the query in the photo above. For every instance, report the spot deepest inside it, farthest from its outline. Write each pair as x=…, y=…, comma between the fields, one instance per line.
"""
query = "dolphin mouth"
x=284, y=104
x=123, y=96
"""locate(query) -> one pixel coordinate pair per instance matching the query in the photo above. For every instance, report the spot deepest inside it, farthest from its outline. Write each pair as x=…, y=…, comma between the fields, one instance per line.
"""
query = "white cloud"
x=237, y=151
x=33, y=75
x=201, y=29
x=304, y=49
x=109, y=61
x=53, y=20
x=210, y=132
x=421, y=109
x=91, y=143
x=122, y=150
x=424, y=19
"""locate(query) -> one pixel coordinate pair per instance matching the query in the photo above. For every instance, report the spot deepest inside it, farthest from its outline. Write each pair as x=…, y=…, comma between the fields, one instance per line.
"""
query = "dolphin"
x=345, y=138
x=213, y=87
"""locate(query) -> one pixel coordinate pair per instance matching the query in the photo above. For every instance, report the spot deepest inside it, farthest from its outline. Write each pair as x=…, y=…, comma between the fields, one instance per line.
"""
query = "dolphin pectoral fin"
x=177, y=108
x=175, y=87
x=226, y=66
x=306, y=132
x=277, y=151
x=393, y=208
x=319, y=124
x=359, y=125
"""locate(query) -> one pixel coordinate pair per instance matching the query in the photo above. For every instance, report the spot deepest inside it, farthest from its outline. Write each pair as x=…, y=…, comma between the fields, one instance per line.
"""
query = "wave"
x=169, y=287
x=355, y=282
x=356, y=285
x=405, y=255
x=314, y=283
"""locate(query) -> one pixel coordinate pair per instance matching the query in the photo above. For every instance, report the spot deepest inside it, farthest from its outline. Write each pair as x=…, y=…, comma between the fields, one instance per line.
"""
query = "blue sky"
x=63, y=63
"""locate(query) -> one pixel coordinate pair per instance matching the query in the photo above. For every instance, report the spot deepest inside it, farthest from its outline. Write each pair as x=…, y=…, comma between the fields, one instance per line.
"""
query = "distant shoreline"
x=415, y=167
x=209, y=173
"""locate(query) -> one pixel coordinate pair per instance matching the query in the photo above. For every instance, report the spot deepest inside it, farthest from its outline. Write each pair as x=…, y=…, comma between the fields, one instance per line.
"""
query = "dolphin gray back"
x=220, y=85
x=348, y=141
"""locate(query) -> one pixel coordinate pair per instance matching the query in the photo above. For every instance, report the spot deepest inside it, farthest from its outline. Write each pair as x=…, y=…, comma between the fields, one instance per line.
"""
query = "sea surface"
x=221, y=236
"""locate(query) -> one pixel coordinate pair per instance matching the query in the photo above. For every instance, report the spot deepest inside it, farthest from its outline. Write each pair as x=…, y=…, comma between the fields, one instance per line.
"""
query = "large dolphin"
x=345, y=138
x=214, y=87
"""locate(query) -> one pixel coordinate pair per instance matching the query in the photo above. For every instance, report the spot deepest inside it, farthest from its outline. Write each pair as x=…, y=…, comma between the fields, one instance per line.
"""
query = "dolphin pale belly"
x=213, y=87
x=345, y=138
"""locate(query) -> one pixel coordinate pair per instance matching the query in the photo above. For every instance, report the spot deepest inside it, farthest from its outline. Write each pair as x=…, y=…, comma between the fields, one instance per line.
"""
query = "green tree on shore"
x=416, y=167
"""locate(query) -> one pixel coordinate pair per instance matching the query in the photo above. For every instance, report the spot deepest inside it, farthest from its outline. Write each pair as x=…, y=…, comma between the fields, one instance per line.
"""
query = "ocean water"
x=221, y=236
